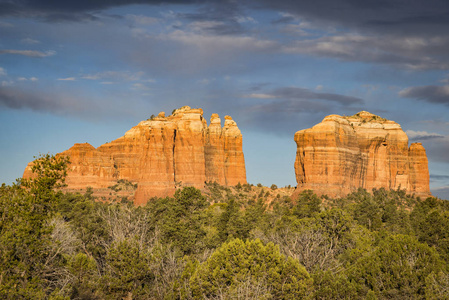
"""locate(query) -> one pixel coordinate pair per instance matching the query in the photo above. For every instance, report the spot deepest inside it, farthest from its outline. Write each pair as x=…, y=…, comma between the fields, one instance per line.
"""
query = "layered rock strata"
x=341, y=154
x=161, y=154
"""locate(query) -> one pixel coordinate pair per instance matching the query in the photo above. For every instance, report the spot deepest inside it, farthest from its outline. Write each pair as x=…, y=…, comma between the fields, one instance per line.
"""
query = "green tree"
x=307, y=204
x=368, y=213
x=397, y=269
x=430, y=220
x=128, y=272
x=81, y=212
x=25, y=209
x=253, y=269
x=437, y=286
x=49, y=172
x=231, y=223
x=181, y=219
x=334, y=285
x=84, y=271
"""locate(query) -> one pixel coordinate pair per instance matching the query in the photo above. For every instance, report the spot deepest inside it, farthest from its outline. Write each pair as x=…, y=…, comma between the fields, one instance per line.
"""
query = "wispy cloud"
x=216, y=43
x=7, y=83
x=115, y=75
x=3, y=72
x=26, y=79
x=6, y=24
x=260, y=96
x=30, y=53
x=141, y=19
x=206, y=81
x=67, y=79
x=29, y=41
x=441, y=191
x=140, y=86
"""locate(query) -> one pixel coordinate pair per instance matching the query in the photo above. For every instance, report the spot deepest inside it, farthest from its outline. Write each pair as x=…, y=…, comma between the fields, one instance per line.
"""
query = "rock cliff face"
x=341, y=154
x=161, y=154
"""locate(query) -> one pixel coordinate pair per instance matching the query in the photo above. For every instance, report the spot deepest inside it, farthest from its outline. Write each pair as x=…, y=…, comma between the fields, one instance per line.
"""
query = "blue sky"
x=87, y=71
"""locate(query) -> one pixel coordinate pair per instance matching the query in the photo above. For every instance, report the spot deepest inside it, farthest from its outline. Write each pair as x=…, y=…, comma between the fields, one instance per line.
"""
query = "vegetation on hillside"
x=244, y=242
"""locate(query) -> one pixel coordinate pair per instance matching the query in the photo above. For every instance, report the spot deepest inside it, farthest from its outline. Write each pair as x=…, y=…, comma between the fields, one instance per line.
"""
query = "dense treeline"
x=230, y=243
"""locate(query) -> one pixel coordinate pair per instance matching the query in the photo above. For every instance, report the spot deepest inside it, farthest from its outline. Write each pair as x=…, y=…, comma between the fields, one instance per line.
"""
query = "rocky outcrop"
x=341, y=154
x=159, y=155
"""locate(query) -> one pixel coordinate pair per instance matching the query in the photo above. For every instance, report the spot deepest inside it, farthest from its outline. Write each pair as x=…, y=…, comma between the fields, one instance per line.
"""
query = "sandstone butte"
x=160, y=155
x=341, y=154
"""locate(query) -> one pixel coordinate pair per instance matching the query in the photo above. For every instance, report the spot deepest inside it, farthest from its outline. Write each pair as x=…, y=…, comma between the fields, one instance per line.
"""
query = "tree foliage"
x=239, y=242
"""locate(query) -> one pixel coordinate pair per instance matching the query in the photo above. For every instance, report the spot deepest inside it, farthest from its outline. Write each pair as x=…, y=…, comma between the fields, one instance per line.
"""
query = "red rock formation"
x=161, y=154
x=341, y=154
x=215, y=152
x=234, y=160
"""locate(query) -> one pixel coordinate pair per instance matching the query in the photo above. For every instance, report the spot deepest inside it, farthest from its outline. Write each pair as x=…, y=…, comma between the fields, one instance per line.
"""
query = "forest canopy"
x=242, y=242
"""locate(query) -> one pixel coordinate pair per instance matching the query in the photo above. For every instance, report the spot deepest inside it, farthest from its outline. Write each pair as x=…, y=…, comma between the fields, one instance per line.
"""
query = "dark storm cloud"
x=218, y=17
x=429, y=93
x=406, y=52
x=399, y=16
x=400, y=33
x=223, y=16
x=11, y=7
x=295, y=93
x=71, y=10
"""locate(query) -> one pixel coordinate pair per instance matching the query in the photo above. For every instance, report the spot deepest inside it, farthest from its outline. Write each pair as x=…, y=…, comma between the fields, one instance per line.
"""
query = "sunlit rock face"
x=160, y=155
x=341, y=154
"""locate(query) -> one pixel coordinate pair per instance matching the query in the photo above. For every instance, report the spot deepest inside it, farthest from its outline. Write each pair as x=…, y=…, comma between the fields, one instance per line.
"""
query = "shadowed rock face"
x=341, y=154
x=160, y=155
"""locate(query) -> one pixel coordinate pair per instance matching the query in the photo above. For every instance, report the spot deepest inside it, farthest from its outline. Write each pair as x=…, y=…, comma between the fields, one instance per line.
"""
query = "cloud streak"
x=422, y=135
x=69, y=104
x=220, y=43
x=115, y=75
x=30, y=53
x=16, y=98
x=439, y=177
x=296, y=93
x=442, y=192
